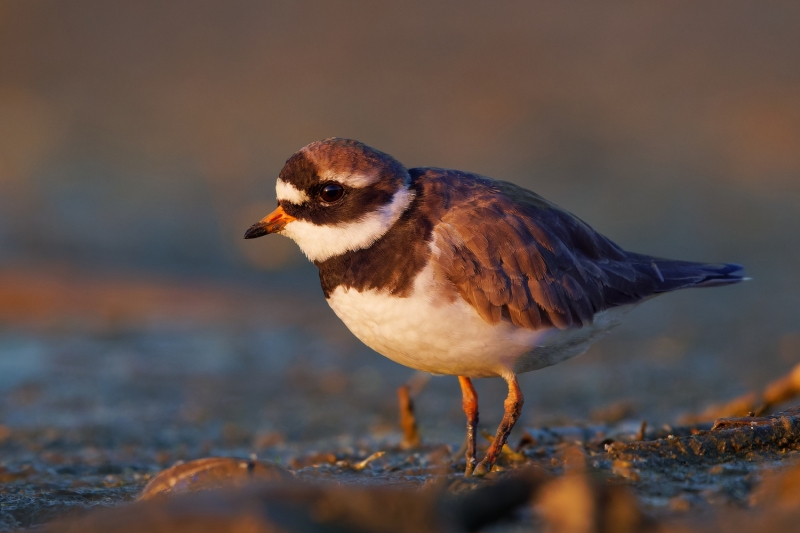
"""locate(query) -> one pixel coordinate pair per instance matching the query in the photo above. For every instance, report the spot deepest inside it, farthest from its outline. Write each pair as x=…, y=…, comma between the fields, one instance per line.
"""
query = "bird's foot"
x=470, y=467
x=482, y=469
x=512, y=407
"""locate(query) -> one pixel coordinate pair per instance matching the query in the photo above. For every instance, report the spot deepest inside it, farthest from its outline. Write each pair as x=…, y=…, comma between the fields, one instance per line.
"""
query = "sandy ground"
x=143, y=372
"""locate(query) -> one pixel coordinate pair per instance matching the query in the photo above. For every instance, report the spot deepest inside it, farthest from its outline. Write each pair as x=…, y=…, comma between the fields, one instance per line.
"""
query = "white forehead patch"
x=289, y=193
x=321, y=242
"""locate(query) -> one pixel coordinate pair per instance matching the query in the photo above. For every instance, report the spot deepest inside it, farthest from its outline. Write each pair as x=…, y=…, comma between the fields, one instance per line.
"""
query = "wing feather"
x=514, y=256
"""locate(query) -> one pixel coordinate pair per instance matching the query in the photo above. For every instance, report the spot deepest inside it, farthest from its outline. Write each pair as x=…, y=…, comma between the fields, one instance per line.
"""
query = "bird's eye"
x=331, y=192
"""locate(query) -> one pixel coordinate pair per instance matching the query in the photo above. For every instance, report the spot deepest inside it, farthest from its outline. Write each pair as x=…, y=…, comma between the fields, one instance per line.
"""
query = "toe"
x=482, y=469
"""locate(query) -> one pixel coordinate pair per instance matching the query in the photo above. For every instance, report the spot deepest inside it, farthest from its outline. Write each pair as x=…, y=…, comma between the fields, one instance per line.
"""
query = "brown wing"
x=513, y=255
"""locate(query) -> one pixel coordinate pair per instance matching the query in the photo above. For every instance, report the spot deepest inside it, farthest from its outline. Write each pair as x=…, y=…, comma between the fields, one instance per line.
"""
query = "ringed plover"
x=454, y=273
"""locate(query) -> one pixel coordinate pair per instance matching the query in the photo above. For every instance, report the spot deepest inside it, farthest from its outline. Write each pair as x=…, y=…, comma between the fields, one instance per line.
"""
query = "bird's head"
x=335, y=196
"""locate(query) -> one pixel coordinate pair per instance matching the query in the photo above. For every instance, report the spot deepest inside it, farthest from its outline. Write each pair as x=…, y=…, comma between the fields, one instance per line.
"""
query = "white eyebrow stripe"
x=356, y=181
x=289, y=193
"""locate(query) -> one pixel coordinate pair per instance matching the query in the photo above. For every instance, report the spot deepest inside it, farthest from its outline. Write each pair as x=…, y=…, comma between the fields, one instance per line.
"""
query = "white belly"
x=421, y=332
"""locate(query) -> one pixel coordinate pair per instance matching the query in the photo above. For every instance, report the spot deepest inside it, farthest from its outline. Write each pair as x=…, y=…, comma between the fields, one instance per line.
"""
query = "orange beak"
x=272, y=223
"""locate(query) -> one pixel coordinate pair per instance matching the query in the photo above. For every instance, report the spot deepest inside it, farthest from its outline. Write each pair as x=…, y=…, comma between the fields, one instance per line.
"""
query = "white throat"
x=321, y=242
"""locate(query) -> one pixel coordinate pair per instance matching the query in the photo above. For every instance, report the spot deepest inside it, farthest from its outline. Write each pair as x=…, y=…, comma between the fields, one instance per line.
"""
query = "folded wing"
x=515, y=256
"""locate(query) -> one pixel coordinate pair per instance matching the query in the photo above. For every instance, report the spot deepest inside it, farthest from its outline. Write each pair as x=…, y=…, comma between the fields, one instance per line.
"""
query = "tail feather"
x=671, y=275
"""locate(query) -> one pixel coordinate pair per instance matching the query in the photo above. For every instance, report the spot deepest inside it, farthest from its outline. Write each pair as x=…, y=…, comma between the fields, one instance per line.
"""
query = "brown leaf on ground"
x=777, y=392
x=211, y=473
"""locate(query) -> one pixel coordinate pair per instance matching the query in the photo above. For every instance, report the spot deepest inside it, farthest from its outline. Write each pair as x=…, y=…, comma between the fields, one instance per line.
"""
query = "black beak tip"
x=254, y=231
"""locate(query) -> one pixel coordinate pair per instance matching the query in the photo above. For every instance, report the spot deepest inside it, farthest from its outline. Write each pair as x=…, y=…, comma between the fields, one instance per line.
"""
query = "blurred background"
x=138, y=140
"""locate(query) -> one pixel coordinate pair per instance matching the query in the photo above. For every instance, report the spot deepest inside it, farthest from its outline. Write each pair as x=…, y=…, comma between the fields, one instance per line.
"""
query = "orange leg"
x=407, y=419
x=470, y=404
x=513, y=408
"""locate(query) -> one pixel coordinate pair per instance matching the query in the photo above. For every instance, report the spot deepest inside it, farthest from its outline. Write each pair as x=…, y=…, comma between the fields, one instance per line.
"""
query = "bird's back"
x=514, y=256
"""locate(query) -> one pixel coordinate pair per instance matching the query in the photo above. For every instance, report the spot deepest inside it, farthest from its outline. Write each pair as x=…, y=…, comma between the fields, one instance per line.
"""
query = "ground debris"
x=361, y=465
x=211, y=473
x=593, y=491
x=777, y=392
x=728, y=438
x=577, y=502
x=292, y=506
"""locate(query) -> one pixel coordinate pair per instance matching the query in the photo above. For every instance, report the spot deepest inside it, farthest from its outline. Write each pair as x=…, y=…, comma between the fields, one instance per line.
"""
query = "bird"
x=454, y=273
